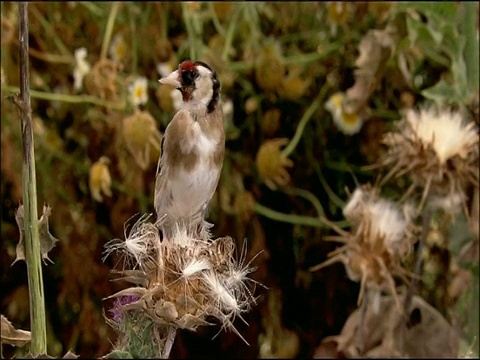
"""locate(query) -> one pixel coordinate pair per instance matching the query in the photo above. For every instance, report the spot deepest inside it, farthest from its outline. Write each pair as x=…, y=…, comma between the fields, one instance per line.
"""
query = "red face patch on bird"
x=187, y=65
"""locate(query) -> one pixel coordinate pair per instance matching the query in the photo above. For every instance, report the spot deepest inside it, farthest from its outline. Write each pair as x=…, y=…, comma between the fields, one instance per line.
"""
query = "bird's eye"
x=188, y=77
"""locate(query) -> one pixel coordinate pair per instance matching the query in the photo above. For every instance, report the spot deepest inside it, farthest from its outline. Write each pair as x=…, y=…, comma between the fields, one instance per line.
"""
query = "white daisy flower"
x=118, y=48
x=138, y=91
x=348, y=123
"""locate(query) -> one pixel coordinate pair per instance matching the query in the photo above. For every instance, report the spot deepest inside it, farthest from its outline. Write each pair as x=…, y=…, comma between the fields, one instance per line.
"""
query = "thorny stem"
x=109, y=29
x=172, y=332
x=38, y=344
x=304, y=120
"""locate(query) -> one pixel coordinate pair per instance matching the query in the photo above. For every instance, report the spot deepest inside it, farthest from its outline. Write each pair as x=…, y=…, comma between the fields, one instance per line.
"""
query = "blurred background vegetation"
x=289, y=160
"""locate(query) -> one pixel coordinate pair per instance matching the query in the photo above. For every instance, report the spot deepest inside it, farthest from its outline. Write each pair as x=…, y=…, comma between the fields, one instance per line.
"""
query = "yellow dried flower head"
x=271, y=164
x=381, y=237
x=142, y=137
x=99, y=179
x=269, y=70
x=102, y=80
x=294, y=86
x=338, y=12
x=251, y=105
x=436, y=149
x=183, y=281
x=270, y=121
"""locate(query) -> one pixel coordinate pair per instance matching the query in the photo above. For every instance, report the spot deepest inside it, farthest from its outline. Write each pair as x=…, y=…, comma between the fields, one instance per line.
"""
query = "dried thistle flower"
x=99, y=179
x=381, y=237
x=142, y=136
x=436, y=149
x=183, y=281
x=348, y=123
x=82, y=68
x=271, y=164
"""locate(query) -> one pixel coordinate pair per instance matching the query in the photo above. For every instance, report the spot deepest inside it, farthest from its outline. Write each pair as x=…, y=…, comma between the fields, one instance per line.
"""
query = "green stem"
x=38, y=344
x=216, y=23
x=304, y=120
x=308, y=196
x=75, y=99
x=331, y=194
x=470, y=31
x=109, y=29
x=134, y=43
x=50, y=32
x=230, y=32
x=294, y=219
x=191, y=32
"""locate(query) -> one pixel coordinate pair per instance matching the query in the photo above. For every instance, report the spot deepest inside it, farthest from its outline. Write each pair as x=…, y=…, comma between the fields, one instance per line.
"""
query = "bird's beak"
x=171, y=79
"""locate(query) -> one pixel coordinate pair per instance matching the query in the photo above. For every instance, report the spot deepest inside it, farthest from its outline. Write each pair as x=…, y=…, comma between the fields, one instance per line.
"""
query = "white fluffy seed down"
x=444, y=130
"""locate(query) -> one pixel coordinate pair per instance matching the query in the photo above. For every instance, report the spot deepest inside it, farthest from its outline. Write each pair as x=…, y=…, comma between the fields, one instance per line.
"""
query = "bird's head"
x=197, y=82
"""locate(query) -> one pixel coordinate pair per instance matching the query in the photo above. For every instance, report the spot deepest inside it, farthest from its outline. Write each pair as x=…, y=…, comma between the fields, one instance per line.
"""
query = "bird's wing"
x=174, y=133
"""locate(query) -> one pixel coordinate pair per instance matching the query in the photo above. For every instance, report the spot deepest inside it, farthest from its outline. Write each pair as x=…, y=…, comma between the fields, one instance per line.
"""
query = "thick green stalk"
x=38, y=344
x=469, y=29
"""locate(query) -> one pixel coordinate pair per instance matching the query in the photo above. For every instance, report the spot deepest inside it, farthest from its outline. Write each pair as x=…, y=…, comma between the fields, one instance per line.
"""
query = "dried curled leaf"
x=375, y=49
x=386, y=334
x=47, y=240
x=12, y=336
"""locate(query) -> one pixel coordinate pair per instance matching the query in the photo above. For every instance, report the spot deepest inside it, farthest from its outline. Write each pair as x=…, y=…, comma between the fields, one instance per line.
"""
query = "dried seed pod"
x=142, y=137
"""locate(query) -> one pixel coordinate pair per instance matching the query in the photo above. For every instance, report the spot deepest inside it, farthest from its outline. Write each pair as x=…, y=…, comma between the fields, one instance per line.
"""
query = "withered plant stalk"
x=32, y=241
